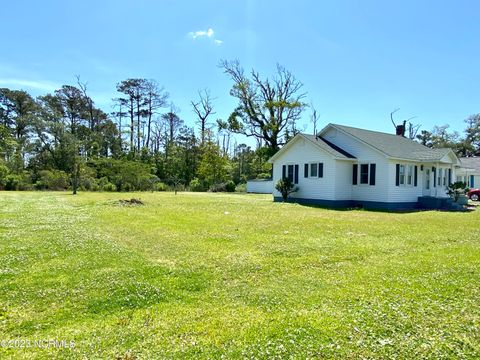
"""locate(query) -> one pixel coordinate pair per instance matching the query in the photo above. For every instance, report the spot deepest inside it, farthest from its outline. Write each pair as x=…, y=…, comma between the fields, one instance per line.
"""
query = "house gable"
x=320, y=144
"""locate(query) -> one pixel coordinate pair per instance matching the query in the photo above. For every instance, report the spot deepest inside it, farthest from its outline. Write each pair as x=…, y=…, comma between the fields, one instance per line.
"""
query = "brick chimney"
x=401, y=129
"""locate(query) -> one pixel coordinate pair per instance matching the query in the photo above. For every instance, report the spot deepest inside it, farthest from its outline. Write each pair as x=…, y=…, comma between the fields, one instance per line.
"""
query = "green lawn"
x=238, y=276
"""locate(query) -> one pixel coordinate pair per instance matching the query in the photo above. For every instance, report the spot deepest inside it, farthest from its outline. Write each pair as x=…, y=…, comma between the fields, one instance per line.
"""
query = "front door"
x=427, y=183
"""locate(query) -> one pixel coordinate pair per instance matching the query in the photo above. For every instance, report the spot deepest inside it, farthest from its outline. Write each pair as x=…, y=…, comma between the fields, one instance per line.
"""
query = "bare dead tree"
x=173, y=123
x=155, y=98
x=401, y=129
x=118, y=113
x=413, y=130
x=314, y=118
x=267, y=108
x=89, y=102
x=203, y=109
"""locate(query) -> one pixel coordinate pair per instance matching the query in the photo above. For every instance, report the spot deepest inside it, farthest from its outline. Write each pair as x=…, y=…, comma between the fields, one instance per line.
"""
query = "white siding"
x=343, y=182
x=405, y=193
x=364, y=155
x=260, y=186
x=410, y=193
x=302, y=152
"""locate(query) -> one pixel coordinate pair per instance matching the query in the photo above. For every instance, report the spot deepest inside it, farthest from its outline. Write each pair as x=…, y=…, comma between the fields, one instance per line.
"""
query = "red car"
x=474, y=194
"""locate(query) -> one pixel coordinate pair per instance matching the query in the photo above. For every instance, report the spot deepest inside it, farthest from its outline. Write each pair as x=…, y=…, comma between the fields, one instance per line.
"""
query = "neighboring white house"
x=344, y=166
x=469, y=173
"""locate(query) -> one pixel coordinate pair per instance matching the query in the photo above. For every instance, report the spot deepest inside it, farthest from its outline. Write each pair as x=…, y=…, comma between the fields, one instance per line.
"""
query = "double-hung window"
x=313, y=170
x=409, y=174
x=402, y=174
x=290, y=172
x=363, y=173
x=367, y=173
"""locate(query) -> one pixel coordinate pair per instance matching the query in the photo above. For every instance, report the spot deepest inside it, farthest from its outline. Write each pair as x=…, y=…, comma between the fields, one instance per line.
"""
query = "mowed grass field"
x=234, y=276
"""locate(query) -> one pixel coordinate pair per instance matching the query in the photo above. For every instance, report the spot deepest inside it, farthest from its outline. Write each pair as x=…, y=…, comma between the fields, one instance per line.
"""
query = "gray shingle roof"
x=395, y=146
x=471, y=162
x=329, y=147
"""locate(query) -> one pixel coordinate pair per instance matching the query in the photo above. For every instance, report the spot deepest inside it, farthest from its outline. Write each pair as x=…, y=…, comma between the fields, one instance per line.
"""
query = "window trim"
x=401, y=175
x=310, y=164
x=358, y=176
x=408, y=176
x=367, y=181
x=287, y=165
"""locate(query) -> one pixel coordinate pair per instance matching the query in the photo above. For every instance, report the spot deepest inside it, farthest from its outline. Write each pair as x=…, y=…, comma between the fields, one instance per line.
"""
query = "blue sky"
x=358, y=60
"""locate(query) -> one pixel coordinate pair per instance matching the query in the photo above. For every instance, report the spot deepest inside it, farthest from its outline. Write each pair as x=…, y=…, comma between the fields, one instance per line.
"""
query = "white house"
x=344, y=166
x=469, y=173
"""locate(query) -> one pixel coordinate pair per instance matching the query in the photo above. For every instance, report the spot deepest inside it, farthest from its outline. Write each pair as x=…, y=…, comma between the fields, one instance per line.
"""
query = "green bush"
x=197, y=185
x=241, y=188
x=88, y=180
x=230, y=186
x=109, y=187
x=89, y=184
x=52, y=180
x=105, y=185
x=285, y=186
x=220, y=187
x=125, y=175
x=18, y=181
x=12, y=182
x=160, y=186
x=3, y=175
x=264, y=176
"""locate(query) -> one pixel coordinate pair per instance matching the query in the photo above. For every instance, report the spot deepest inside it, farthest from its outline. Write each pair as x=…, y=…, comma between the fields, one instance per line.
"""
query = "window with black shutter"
x=373, y=170
x=355, y=174
x=397, y=175
x=364, y=174
x=415, y=176
x=290, y=169
x=305, y=171
x=284, y=171
x=296, y=174
x=320, y=170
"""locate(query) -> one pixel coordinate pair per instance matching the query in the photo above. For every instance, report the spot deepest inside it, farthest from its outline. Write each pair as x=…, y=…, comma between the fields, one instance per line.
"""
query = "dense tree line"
x=63, y=140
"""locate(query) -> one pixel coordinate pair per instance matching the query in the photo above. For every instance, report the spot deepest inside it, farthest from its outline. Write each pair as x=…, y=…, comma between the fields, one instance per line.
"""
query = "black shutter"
x=449, y=176
x=373, y=168
x=434, y=176
x=415, y=179
x=305, y=170
x=320, y=170
x=295, y=174
x=397, y=175
x=284, y=171
x=355, y=174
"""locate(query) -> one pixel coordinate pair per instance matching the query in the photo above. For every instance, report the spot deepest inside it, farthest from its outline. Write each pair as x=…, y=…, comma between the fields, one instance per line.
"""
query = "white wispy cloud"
x=209, y=33
x=201, y=33
x=32, y=84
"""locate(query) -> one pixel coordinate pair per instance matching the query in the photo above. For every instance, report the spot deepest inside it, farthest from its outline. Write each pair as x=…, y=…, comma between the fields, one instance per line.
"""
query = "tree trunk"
x=138, y=125
x=132, y=126
x=150, y=110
